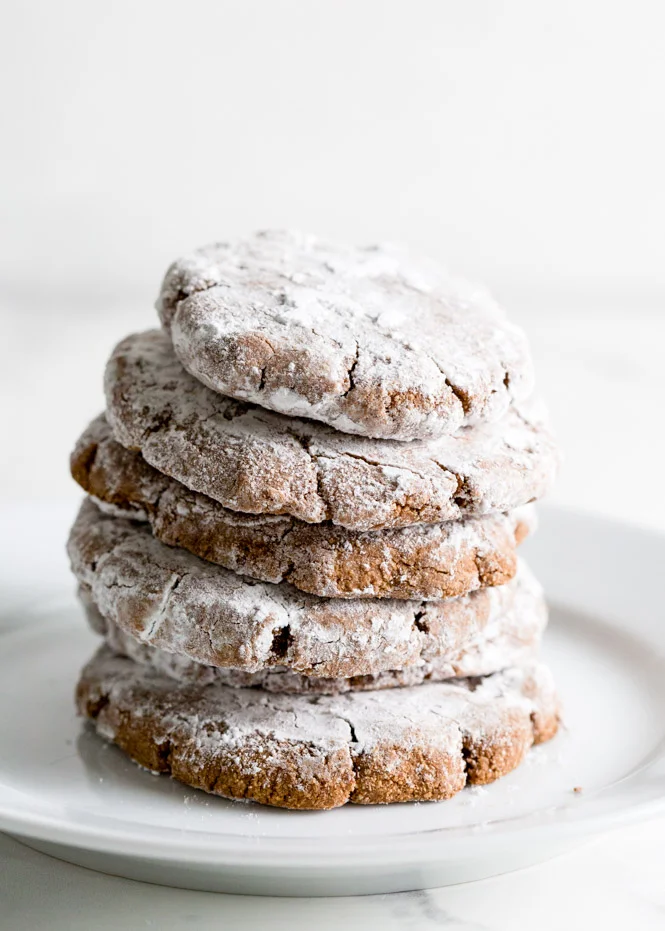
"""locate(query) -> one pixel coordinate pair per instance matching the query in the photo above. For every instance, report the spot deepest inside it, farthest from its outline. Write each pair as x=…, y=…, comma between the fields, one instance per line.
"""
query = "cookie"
x=370, y=341
x=309, y=752
x=170, y=599
x=422, y=561
x=510, y=641
x=256, y=461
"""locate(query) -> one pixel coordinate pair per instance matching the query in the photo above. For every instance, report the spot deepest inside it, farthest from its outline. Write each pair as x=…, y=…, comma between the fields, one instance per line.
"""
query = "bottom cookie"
x=317, y=752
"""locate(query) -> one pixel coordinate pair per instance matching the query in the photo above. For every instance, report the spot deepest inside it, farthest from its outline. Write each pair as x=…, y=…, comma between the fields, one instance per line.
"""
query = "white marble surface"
x=613, y=883
x=600, y=365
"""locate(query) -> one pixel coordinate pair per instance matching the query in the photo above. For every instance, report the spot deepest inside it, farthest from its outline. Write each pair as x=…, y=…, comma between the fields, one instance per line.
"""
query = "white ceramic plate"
x=65, y=792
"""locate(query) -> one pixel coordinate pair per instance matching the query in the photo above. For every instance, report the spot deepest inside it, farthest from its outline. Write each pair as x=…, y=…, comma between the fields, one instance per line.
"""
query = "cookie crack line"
x=421, y=625
x=352, y=729
x=166, y=598
x=350, y=372
x=305, y=442
x=282, y=641
x=461, y=396
x=368, y=460
x=264, y=368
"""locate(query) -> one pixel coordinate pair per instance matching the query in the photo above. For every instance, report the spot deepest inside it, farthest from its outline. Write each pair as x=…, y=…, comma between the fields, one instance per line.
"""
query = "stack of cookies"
x=305, y=500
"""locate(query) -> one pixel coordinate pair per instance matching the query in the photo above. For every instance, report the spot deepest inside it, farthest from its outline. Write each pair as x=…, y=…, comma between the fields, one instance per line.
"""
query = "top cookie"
x=368, y=340
x=253, y=460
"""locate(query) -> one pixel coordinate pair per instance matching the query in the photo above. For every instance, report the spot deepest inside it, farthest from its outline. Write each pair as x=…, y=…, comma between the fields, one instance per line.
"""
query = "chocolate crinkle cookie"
x=422, y=561
x=317, y=752
x=252, y=460
x=509, y=640
x=168, y=598
x=371, y=341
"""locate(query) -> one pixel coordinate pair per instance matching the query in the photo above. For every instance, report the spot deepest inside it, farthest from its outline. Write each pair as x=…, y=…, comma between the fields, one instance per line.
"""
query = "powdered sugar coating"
x=421, y=561
x=371, y=340
x=170, y=599
x=512, y=639
x=320, y=752
x=256, y=461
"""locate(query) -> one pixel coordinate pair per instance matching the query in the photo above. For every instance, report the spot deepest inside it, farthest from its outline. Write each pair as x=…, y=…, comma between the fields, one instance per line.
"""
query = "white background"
x=521, y=142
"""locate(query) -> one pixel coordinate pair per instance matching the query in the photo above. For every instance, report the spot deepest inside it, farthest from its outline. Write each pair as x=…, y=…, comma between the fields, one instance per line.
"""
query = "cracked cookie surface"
x=371, y=341
x=421, y=561
x=168, y=598
x=304, y=752
x=252, y=460
x=511, y=640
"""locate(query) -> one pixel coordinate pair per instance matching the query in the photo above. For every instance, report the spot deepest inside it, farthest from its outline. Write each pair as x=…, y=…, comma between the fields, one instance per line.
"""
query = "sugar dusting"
x=421, y=561
x=170, y=599
x=371, y=340
x=267, y=740
x=249, y=459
